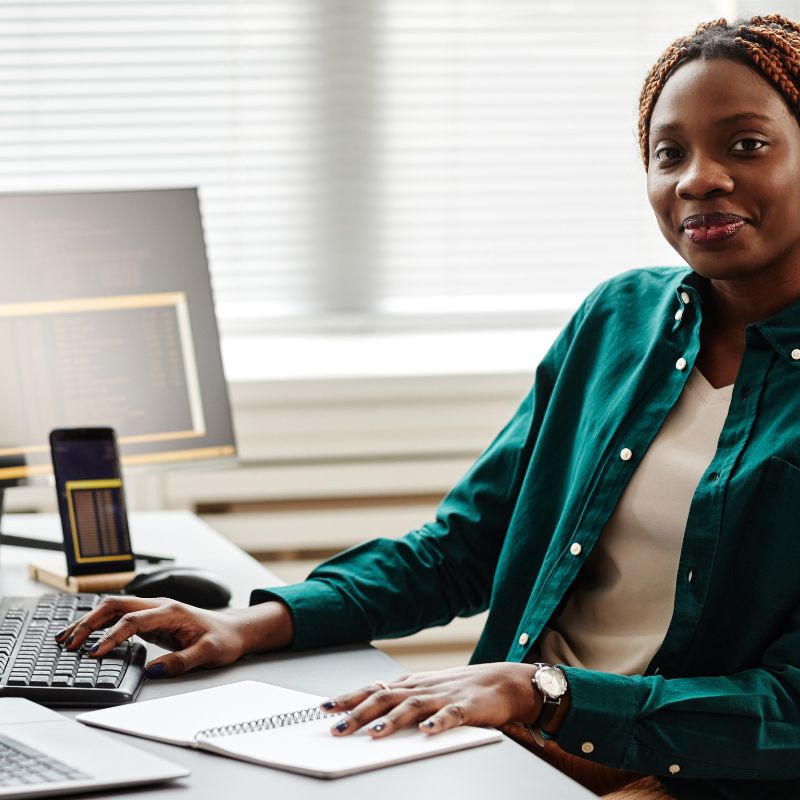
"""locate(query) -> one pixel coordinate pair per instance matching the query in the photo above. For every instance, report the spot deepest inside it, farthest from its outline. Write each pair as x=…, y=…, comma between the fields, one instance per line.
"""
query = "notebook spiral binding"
x=265, y=723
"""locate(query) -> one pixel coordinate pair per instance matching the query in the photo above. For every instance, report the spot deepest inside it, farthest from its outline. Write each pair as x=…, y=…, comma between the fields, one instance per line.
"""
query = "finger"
x=345, y=702
x=172, y=664
x=450, y=716
x=411, y=711
x=97, y=618
x=375, y=705
x=144, y=621
x=108, y=610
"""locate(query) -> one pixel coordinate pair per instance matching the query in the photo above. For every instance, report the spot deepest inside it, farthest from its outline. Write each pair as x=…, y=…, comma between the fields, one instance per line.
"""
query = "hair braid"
x=721, y=22
x=773, y=67
x=784, y=45
x=777, y=19
x=769, y=44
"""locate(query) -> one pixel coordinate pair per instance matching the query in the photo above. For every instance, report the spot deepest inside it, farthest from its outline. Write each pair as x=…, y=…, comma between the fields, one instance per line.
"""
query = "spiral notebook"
x=276, y=727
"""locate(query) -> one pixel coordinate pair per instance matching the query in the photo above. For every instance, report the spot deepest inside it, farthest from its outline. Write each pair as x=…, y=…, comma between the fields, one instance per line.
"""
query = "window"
x=361, y=163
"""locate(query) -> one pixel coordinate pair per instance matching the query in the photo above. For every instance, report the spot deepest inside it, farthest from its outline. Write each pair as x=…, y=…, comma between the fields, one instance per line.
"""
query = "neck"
x=735, y=304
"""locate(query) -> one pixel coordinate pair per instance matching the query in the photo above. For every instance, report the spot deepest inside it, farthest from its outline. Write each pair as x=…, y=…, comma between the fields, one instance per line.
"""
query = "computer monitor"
x=107, y=319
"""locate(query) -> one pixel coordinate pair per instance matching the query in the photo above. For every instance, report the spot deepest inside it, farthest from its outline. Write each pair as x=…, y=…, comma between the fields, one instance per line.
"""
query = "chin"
x=726, y=262
x=721, y=269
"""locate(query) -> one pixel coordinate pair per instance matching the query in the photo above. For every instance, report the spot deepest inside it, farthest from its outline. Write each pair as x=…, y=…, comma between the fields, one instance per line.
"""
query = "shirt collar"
x=781, y=330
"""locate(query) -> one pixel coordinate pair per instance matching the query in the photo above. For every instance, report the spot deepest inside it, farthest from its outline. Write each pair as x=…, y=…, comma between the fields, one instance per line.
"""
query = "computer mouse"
x=198, y=587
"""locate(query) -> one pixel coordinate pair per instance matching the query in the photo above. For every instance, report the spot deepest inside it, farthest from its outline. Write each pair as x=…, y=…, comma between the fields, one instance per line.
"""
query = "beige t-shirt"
x=619, y=611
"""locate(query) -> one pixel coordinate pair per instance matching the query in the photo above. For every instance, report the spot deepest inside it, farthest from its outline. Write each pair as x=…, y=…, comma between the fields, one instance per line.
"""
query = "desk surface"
x=477, y=773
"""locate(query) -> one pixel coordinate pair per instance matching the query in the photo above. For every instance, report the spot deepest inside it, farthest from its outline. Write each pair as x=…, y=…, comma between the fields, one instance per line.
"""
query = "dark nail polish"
x=61, y=633
x=329, y=704
x=429, y=723
x=342, y=726
x=156, y=671
x=378, y=727
x=69, y=641
x=94, y=648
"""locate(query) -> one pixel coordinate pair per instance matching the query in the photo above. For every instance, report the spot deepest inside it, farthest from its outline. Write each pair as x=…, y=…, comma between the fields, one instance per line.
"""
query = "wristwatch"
x=552, y=684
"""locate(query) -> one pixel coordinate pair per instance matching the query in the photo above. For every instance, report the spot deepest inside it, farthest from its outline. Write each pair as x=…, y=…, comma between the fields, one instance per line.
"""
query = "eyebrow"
x=741, y=117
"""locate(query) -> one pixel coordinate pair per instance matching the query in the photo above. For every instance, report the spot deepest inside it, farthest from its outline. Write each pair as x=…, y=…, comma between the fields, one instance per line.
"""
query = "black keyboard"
x=32, y=665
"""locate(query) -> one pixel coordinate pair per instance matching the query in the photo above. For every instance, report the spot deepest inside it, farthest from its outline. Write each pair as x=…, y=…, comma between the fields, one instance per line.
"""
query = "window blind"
x=511, y=165
x=103, y=94
x=366, y=161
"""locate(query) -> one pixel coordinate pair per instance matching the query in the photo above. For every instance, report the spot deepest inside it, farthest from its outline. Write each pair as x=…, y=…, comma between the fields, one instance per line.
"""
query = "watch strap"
x=549, y=708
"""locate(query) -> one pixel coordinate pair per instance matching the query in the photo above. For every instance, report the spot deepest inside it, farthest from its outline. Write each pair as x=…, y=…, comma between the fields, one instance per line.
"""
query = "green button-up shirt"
x=717, y=712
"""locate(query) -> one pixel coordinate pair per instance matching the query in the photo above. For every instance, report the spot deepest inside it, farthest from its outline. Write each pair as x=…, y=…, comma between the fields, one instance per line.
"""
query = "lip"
x=711, y=219
x=713, y=227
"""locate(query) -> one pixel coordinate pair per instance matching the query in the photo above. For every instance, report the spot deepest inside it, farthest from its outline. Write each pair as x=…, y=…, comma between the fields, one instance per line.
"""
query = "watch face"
x=551, y=681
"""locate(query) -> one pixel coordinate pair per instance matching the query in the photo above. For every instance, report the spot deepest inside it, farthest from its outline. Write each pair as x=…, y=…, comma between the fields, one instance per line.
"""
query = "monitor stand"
x=13, y=540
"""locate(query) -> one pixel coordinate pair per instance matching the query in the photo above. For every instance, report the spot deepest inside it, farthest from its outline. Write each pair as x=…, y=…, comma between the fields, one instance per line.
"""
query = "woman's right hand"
x=198, y=638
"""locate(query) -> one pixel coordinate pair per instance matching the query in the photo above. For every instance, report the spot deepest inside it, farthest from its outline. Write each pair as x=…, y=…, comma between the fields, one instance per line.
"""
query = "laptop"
x=43, y=753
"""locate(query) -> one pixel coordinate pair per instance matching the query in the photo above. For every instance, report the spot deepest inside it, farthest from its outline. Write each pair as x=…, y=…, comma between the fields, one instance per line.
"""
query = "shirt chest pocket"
x=767, y=568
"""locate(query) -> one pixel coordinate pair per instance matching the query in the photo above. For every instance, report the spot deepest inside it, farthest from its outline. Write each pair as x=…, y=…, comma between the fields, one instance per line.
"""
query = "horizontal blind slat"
x=437, y=150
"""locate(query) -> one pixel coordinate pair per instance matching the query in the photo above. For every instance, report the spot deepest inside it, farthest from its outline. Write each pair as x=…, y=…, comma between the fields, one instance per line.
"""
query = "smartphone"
x=91, y=501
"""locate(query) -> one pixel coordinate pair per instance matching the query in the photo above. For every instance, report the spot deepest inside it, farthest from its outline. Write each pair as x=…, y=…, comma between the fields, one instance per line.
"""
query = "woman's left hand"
x=483, y=694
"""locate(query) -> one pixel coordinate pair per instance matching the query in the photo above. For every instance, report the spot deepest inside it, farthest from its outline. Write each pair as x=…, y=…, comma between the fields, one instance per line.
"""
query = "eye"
x=748, y=145
x=666, y=154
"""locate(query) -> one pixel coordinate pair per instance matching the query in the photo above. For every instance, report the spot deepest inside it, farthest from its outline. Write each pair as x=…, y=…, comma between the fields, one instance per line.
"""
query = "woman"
x=635, y=522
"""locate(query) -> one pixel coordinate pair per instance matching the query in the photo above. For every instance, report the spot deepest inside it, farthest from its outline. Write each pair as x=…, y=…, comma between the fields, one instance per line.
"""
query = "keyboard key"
x=21, y=765
x=30, y=657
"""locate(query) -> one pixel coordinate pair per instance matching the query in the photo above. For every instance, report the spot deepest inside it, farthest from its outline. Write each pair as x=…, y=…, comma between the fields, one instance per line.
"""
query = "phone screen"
x=91, y=501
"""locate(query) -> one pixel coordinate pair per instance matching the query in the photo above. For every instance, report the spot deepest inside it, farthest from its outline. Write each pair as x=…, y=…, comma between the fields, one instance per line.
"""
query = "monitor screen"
x=107, y=319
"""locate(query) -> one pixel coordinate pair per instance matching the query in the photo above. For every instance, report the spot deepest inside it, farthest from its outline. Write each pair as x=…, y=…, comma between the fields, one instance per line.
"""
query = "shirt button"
x=681, y=363
x=690, y=576
x=587, y=747
x=679, y=314
x=523, y=640
x=796, y=354
x=674, y=769
x=685, y=297
x=625, y=454
x=575, y=549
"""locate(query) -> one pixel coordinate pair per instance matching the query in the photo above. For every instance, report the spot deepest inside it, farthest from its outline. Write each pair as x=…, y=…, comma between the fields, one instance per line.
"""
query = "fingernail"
x=69, y=641
x=94, y=648
x=61, y=633
x=341, y=727
x=156, y=671
x=329, y=704
x=378, y=727
x=429, y=723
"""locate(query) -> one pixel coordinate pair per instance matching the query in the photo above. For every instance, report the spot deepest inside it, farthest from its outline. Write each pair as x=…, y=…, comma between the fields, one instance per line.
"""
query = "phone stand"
x=105, y=583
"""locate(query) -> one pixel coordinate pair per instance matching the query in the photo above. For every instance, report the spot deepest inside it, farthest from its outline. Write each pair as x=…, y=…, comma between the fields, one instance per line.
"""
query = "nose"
x=702, y=177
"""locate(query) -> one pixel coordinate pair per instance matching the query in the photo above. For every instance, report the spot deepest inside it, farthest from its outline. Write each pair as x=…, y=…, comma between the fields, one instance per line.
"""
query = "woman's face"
x=724, y=173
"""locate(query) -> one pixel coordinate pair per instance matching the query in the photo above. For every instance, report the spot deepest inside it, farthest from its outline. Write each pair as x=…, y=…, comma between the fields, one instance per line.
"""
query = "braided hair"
x=769, y=44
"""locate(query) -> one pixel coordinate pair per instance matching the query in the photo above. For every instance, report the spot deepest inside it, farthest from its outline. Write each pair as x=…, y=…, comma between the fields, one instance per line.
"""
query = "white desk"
x=499, y=769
